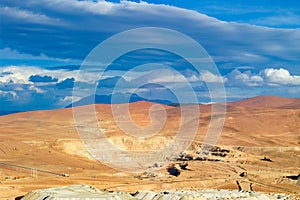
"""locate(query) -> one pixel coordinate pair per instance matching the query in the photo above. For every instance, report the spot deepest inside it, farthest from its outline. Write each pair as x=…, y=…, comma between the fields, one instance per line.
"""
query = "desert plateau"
x=258, y=150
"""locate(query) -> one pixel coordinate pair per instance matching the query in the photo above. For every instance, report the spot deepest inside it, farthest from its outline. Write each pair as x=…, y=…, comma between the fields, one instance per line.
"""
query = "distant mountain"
x=267, y=102
x=258, y=102
x=119, y=98
x=253, y=102
x=8, y=112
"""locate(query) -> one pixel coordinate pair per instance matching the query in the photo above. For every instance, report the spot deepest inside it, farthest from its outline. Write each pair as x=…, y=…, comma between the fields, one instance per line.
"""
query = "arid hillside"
x=257, y=150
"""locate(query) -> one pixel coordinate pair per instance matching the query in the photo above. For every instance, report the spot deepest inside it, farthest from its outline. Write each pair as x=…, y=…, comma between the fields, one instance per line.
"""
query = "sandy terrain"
x=258, y=149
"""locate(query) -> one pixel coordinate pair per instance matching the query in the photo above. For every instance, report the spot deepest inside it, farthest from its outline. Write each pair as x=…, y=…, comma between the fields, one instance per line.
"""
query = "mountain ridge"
x=267, y=102
x=250, y=103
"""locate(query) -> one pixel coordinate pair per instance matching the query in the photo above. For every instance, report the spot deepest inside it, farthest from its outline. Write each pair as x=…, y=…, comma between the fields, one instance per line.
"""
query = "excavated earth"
x=258, y=151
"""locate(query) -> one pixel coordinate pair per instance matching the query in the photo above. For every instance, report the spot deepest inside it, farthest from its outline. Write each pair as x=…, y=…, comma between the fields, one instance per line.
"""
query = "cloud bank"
x=68, y=29
x=22, y=90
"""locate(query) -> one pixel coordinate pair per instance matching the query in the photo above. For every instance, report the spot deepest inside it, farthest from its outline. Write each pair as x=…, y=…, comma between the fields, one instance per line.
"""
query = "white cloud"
x=8, y=53
x=212, y=78
x=69, y=99
x=91, y=21
x=160, y=76
x=21, y=74
x=166, y=76
x=286, y=20
x=279, y=77
x=101, y=7
x=36, y=89
x=173, y=76
x=268, y=76
x=122, y=8
x=237, y=78
x=9, y=95
x=28, y=16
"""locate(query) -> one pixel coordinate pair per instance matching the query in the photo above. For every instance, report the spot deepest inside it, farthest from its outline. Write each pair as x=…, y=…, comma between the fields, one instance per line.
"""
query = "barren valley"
x=259, y=150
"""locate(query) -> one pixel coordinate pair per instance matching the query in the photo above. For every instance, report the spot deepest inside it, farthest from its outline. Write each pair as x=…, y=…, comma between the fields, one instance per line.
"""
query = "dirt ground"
x=258, y=150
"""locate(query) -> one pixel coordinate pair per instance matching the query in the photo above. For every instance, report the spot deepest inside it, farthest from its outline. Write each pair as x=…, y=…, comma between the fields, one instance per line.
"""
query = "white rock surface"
x=75, y=192
x=85, y=192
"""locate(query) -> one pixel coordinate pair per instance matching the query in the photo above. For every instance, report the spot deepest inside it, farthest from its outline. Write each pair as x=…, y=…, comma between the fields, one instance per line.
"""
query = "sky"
x=255, y=45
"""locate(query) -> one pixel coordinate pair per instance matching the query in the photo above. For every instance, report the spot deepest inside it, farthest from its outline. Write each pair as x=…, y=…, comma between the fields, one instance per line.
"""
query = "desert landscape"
x=258, y=150
x=149, y=100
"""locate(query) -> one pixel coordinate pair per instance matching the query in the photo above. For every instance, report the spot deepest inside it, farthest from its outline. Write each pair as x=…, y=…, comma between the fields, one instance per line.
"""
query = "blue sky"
x=255, y=45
